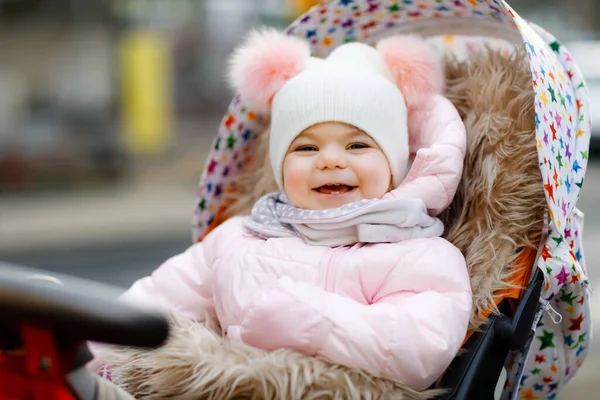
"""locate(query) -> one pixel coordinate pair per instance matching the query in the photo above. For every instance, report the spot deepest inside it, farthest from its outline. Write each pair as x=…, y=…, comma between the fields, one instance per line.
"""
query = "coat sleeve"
x=182, y=285
x=407, y=336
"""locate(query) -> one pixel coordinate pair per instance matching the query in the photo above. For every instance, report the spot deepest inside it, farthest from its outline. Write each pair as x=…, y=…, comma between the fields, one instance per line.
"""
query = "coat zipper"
x=329, y=271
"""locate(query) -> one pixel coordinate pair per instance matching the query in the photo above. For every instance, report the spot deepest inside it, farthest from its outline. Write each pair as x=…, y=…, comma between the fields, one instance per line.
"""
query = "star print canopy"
x=562, y=112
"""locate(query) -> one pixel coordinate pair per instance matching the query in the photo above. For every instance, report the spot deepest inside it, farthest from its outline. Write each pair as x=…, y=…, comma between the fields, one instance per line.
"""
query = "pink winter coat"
x=400, y=310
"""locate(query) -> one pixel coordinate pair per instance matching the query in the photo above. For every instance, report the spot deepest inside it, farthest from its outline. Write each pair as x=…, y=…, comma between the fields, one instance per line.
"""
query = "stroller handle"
x=75, y=308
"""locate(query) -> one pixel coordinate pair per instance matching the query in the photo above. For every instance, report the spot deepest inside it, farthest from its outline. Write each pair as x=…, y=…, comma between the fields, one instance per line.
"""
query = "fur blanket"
x=199, y=363
x=497, y=212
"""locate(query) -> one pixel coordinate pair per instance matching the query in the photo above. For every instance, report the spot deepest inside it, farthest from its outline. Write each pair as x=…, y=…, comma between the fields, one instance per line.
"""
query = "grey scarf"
x=365, y=221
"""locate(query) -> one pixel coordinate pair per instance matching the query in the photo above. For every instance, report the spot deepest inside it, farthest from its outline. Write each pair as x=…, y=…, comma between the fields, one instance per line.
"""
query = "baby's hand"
x=255, y=276
x=281, y=318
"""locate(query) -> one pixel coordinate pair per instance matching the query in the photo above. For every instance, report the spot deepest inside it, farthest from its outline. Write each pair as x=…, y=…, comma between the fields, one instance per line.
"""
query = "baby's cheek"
x=295, y=176
x=376, y=177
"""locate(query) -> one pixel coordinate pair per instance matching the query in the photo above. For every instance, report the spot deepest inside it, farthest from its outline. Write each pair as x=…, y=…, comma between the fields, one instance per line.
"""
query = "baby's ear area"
x=415, y=67
x=263, y=63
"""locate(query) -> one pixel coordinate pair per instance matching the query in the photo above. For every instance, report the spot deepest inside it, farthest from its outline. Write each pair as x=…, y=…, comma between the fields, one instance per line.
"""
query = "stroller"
x=526, y=157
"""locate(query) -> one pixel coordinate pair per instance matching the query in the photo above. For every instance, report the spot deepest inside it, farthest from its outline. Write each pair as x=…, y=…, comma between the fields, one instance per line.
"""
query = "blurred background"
x=108, y=109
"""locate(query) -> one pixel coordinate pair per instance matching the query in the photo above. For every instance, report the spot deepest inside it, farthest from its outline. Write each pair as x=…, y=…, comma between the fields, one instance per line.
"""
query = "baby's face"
x=332, y=164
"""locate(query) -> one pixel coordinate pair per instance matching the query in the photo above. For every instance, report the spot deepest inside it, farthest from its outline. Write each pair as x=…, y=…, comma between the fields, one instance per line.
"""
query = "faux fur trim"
x=497, y=212
x=199, y=363
x=500, y=204
x=255, y=181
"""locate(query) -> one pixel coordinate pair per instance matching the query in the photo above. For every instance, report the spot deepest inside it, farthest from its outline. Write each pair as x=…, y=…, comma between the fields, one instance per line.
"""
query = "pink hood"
x=400, y=310
x=438, y=138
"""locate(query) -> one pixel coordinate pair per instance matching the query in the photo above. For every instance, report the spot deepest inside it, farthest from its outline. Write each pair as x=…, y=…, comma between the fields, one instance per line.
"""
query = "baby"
x=346, y=261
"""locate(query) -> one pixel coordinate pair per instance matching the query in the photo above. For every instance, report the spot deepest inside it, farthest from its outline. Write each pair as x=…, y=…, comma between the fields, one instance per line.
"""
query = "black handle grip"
x=77, y=308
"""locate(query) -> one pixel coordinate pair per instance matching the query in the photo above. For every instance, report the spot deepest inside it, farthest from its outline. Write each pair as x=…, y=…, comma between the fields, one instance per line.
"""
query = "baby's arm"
x=181, y=285
x=408, y=336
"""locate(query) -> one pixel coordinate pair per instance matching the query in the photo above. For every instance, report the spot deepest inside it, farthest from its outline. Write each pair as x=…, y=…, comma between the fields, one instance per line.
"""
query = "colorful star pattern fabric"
x=563, y=128
x=559, y=345
x=562, y=335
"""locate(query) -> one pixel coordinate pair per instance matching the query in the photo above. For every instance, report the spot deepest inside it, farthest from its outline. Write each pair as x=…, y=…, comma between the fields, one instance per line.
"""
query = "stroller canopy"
x=562, y=112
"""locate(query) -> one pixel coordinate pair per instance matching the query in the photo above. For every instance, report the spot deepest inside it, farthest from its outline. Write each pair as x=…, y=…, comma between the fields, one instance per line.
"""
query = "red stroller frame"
x=46, y=322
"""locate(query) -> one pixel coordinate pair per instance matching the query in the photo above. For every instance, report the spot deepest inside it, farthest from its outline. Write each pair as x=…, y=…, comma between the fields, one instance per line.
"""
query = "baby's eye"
x=306, y=148
x=355, y=146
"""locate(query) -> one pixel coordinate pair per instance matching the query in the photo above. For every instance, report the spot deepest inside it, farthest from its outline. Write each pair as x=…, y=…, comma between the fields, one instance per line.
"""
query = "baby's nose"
x=331, y=159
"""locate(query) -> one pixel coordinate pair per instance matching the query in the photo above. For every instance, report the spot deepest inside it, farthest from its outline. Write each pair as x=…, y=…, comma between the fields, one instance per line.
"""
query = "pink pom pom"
x=415, y=68
x=264, y=63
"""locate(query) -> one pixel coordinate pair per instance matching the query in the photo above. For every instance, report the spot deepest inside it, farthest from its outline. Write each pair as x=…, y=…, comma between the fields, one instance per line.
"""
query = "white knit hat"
x=373, y=89
x=351, y=86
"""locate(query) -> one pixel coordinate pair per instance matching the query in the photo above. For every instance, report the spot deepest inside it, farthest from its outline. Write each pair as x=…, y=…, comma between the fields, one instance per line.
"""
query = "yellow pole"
x=301, y=6
x=146, y=93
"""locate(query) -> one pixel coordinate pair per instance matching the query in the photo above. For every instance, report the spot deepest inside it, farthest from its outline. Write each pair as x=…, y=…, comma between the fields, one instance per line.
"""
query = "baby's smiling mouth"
x=335, y=189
